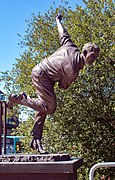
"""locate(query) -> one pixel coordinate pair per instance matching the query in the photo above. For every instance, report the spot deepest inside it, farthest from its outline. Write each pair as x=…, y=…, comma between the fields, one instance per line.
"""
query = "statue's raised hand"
x=59, y=16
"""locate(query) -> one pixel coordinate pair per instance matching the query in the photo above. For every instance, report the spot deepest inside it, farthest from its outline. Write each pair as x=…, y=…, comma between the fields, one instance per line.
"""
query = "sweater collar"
x=82, y=61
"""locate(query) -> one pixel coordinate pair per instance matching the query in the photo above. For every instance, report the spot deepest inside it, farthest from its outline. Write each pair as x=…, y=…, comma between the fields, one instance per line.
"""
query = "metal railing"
x=100, y=165
x=3, y=112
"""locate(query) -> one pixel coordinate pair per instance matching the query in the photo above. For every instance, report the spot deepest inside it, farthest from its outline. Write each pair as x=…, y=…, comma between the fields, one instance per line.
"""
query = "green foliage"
x=24, y=131
x=83, y=124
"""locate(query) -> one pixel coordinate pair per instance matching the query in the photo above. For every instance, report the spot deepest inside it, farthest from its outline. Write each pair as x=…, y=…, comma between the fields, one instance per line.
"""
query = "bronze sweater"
x=63, y=66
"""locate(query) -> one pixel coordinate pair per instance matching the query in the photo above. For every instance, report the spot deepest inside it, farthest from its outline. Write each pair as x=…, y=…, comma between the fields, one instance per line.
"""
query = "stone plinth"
x=49, y=167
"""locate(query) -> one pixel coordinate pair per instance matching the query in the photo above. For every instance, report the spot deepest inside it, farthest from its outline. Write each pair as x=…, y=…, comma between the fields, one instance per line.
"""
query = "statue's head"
x=90, y=52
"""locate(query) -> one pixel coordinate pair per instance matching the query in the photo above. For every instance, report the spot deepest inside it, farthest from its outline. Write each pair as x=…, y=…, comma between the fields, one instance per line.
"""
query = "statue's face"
x=91, y=57
x=91, y=52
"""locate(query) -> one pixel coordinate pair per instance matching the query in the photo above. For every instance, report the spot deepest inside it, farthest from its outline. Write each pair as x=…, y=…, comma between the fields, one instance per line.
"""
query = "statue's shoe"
x=14, y=99
x=36, y=144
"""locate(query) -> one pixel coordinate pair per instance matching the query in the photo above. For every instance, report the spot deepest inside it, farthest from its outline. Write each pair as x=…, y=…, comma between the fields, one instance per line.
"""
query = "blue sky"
x=13, y=14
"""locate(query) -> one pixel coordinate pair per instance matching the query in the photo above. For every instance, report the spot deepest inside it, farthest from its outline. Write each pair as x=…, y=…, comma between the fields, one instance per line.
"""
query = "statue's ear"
x=85, y=53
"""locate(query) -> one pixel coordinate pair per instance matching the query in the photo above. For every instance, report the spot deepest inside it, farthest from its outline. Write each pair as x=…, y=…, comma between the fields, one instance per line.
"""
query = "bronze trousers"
x=46, y=97
x=45, y=102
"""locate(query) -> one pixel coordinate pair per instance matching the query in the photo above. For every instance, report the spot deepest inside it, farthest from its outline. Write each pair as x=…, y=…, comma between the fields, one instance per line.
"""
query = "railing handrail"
x=99, y=165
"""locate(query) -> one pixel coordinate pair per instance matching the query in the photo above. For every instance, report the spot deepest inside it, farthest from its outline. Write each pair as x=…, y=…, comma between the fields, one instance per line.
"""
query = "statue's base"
x=35, y=158
x=42, y=167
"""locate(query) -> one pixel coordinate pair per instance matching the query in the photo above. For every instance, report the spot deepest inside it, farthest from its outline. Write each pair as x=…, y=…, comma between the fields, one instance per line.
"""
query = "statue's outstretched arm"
x=61, y=29
x=64, y=36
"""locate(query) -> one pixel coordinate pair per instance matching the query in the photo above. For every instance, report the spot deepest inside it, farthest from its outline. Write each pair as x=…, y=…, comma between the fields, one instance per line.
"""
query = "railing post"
x=0, y=127
x=4, y=125
x=3, y=112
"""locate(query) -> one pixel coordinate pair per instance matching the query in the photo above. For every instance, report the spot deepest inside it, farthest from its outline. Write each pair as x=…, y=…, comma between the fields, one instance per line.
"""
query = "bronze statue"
x=63, y=67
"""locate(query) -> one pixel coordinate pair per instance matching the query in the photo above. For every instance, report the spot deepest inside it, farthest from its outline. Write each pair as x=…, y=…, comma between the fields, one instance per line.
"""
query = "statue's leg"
x=45, y=91
x=38, y=126
x=22, y=99
x=46, y=101
x=37, y=132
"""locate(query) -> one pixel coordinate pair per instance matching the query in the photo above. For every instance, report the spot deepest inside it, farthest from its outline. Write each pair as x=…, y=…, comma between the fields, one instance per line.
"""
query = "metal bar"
x=99, y=165
x=0, y=127
x=4, y=125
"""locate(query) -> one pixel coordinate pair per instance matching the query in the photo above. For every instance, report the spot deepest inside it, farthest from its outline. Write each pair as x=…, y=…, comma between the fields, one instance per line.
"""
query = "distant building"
x=2, y=97
x=11, y=122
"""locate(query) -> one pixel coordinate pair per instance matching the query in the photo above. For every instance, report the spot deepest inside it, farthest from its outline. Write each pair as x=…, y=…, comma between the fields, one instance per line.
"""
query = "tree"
x=83, y=124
